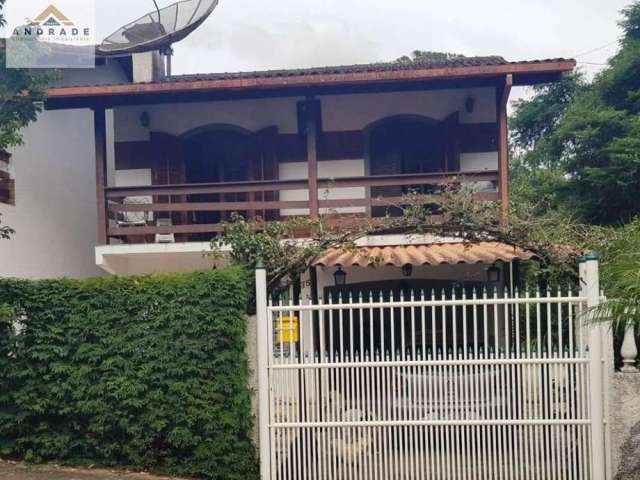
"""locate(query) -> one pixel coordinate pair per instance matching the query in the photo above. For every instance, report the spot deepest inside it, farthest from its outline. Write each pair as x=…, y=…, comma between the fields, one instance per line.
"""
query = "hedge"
x=146, y=372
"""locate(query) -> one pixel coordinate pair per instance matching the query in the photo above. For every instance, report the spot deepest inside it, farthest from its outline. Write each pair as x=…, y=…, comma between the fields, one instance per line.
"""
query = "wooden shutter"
x=264, y=166
x=450, y=132
x=169, y=169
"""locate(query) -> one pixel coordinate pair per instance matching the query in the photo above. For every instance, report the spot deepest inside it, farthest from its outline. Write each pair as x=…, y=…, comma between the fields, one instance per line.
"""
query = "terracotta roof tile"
x=358, y=68
x=431, y=254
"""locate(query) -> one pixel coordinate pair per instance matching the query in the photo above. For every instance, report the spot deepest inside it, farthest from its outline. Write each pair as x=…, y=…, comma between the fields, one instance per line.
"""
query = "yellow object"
x=287, y=329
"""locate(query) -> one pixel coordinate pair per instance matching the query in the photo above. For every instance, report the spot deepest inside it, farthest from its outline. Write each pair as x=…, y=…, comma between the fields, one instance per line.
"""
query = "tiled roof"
x=529, y=72
x=360, y=68
x=431, y=254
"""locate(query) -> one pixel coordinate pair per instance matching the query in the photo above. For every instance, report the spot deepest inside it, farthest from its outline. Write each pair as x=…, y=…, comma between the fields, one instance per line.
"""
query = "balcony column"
x=312, y=115
x=503, y=149
x=100, y=136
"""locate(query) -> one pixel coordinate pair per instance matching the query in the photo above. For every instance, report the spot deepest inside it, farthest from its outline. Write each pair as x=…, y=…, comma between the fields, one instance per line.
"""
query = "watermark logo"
x=51, y=38
x=51, y=17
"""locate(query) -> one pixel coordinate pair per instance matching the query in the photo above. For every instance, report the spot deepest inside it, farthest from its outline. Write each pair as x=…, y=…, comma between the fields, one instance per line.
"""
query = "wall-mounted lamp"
x=493, y=274
x=340, y=277
x=407, y=270
x=145, y=119
x=470, y=104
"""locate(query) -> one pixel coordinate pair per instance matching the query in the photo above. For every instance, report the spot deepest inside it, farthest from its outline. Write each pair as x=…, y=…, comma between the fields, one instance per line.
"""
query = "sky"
x=259, y=34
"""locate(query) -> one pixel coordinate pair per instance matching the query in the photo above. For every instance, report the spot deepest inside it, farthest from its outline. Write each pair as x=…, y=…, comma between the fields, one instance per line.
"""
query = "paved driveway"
x=19, y=471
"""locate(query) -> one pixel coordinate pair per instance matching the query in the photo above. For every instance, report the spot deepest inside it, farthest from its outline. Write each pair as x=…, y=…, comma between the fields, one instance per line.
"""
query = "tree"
x=422, y=56
x=620, y=250
x=22, y=93
x=453, y=212
x=590, y=134
x=534, y=120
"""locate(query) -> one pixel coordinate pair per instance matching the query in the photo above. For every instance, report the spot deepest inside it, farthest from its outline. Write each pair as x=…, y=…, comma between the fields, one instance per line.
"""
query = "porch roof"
x=387, y=76
x=426, y=254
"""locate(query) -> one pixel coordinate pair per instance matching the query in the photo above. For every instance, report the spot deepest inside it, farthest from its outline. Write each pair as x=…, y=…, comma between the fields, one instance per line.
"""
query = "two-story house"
x=189, y=150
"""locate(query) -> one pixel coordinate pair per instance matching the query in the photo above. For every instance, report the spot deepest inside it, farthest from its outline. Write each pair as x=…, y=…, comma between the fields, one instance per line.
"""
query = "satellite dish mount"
x=158, y=30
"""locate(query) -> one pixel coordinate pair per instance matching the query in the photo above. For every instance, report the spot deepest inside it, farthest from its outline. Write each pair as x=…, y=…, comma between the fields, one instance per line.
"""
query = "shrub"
x=146, y=372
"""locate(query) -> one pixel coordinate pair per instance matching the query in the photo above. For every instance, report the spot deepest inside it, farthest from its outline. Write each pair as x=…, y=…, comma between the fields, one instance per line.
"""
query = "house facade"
x=449, y=378
x=176, y=156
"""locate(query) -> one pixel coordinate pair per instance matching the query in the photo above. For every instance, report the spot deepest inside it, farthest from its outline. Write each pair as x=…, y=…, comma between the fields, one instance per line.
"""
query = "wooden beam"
x=503, y=149
x=391, y=201
x=312, y=154
x=207, y=188
x=315, y=79
x=100, y=138
x=152, y=230
x=208, y=206
x=402, y=179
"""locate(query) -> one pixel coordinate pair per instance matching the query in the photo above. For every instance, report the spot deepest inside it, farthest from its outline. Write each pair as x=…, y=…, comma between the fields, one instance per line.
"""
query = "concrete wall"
x=624, y=425
x=55, y=208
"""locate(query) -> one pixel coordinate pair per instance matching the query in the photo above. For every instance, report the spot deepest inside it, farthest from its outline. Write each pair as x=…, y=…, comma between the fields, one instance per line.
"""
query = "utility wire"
x=597, y=49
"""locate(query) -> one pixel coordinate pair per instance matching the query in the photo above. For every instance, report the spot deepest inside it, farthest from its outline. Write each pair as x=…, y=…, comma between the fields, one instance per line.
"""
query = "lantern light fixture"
x=340, y=276
x=407, y=270
x=493, y=274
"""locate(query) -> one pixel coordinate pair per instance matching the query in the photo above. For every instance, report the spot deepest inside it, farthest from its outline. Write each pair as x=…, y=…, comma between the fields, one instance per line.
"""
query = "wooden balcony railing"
x=178, y=202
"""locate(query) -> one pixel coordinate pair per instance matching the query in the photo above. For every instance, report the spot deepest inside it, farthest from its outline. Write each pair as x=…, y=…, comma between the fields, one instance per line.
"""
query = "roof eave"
x=525, y=73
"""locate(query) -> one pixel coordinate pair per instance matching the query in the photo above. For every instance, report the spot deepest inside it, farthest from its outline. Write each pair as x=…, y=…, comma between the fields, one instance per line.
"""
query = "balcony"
x=196, y=211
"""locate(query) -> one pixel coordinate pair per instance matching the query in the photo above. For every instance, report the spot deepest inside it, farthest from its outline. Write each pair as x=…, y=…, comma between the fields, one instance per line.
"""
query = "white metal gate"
x=432, y=386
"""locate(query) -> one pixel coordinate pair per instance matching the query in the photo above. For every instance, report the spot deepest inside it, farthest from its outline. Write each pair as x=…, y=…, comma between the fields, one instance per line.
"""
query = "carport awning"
x=431, y=254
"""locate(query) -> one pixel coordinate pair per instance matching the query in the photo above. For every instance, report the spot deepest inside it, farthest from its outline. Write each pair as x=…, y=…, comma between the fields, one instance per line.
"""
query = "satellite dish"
x=158, y=30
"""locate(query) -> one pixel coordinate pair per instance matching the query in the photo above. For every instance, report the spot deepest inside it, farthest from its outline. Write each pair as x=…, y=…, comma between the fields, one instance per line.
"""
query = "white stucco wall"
x=178, y=119
x=55, y=214
x=55, y=210
x=339, y=112
x=353, y=112
x=326, y=169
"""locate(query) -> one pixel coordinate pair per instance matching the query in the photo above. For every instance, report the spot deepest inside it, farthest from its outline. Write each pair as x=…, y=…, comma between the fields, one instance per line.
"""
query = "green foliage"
x=5, y=231
x=590, y=133
x=452, y=212
x=278, y=245
x=602, y=160
x=145, y=372
x=620, y=274
x=630, y=22
x=22, y=93
x=543, y=189
x=421, y=56
x=534, y=119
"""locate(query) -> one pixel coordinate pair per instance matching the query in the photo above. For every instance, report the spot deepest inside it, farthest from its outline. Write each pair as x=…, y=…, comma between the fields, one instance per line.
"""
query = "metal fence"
x=432, y=385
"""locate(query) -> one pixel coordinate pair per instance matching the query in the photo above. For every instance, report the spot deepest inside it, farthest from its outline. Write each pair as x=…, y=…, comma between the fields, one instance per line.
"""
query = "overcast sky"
x=259, y=34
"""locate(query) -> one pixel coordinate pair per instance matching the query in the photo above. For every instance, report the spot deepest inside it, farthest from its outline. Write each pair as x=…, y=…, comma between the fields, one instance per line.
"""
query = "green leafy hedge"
x=143, y=372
